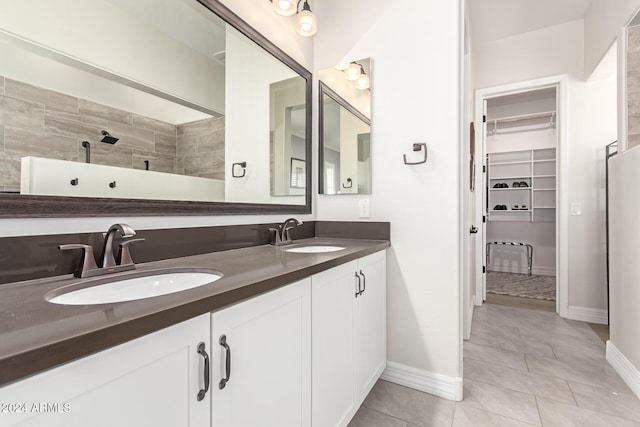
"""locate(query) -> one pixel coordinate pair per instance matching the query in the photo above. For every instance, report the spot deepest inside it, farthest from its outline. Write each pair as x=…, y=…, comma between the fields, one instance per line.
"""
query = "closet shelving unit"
x=536, y=168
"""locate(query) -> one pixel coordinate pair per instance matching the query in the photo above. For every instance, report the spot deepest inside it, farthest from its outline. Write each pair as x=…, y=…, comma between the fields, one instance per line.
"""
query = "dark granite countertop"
x=36, y=335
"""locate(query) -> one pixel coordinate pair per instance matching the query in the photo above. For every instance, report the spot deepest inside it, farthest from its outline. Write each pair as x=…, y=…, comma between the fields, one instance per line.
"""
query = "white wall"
x=248, y=121
x=279, y=30
x=625, y=268
x=592, y=125
x=415, y=47
x=116, y=42
x=602, y=22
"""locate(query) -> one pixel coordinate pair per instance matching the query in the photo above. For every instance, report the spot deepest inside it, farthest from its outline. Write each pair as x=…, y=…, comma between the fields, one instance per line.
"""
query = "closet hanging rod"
x=551, y=114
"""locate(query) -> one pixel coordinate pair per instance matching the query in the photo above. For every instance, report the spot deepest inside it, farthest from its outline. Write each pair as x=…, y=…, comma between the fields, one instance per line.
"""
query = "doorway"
x=521, y=142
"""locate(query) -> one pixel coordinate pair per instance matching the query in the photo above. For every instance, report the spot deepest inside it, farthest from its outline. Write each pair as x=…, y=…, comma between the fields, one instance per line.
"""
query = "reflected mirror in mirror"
x=169, y=102
x=345, y=129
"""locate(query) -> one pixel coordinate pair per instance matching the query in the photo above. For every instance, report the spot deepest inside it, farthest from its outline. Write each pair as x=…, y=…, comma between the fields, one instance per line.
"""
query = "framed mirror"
x=345, y=129
x=174, y=108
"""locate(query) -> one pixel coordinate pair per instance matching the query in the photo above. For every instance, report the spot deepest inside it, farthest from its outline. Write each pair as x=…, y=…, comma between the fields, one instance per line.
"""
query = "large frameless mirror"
x=174, y=107
x=345, y=128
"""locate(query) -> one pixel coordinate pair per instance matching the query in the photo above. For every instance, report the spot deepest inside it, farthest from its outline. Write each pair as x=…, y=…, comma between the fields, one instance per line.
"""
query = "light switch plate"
x=576, y=208
x=364, y=210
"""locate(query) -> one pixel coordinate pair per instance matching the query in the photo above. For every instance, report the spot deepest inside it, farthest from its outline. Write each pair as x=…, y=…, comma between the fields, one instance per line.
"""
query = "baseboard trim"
x=586, y=314
x=624, y=367
x=430, y=382
x=467, y=332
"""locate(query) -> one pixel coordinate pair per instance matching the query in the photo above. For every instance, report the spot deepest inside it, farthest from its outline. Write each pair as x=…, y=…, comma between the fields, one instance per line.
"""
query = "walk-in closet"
x=521, y=194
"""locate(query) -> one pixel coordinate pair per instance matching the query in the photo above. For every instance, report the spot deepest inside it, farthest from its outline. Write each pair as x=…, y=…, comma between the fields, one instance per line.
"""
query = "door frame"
x=561, y=82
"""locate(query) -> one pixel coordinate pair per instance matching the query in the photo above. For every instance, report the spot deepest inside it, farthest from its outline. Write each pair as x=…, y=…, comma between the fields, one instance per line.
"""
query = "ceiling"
x=496, y=19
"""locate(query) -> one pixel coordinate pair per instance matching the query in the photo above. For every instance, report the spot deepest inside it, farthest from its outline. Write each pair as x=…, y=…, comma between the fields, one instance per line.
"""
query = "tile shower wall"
x=43, y=123
x=633, y=87
x=200, y=148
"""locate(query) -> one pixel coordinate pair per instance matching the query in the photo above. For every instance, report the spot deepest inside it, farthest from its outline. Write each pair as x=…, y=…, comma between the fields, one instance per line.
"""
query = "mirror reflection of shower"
x=108, y=138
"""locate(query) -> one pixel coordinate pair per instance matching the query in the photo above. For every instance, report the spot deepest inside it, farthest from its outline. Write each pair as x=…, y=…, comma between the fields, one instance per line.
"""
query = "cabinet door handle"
x=224, y=381
x=358, y=292
x=203, y=353
x=364, y=282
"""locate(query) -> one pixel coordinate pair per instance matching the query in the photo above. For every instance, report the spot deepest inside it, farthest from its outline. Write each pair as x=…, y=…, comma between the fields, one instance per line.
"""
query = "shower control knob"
x=74, y=181
x=112, y=184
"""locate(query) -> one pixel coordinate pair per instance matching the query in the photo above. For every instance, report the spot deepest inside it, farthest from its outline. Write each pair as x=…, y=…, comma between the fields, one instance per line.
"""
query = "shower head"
x=108, y=138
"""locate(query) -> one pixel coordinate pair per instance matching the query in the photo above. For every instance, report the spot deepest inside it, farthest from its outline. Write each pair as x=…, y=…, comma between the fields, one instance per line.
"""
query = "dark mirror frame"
x=323, y=89
x=24, y=206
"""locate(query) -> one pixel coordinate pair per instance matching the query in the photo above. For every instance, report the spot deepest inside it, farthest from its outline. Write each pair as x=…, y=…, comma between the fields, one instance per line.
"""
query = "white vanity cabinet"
x=348, y=337
x=263, y=347
x=150, y=381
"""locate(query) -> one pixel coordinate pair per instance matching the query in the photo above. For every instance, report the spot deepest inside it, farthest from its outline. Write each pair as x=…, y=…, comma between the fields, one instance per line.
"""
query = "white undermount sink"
x=129, y=289
x=314, y=249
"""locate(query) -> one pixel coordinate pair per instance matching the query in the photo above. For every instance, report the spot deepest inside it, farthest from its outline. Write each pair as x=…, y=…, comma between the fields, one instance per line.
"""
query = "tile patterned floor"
x=521, y=368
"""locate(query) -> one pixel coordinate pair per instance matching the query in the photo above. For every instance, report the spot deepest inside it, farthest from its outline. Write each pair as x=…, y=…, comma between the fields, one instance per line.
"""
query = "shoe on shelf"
x=515, y=185
x=515, y=207
x=523, y=184
x=505, y=185
x=496, y=208
x=524, y=208
x=504, y=207
x=498, y=185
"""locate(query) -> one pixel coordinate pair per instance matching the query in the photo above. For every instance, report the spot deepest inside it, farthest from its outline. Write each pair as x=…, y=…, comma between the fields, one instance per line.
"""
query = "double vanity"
x=291, y=335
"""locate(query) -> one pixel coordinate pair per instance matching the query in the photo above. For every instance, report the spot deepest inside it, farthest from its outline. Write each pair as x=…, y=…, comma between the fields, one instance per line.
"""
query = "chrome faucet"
x=107, y=259
x=282, y=236
x=108, y=263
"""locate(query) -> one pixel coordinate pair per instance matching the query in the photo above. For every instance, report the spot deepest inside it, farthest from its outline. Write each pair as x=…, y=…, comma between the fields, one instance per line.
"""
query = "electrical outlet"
x=364, y=208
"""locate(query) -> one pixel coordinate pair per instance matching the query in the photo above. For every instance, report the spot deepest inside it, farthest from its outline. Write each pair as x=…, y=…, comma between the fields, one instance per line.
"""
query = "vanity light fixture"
x=306, y=23
x=285, y=7
x=362, y=82
x=352, y=72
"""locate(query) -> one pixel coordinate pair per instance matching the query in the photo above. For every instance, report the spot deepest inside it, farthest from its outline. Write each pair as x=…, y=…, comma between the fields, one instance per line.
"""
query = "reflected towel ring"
x=417, y=146
x=350, y=182
x=243, y=165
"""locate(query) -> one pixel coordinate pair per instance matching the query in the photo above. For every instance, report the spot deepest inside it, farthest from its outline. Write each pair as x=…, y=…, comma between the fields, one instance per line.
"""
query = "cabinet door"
x=370, y=323
x=269, y=341
x=333, y=296
x=150, y=381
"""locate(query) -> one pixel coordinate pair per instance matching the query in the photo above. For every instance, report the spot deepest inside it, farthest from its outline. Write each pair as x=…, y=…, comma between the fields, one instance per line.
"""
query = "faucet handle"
x=278, y=240
x=124, y=255
x=88, y=262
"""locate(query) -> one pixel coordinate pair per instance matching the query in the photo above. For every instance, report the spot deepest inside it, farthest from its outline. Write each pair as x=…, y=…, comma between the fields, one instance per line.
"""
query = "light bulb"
x=306, y=24
x=284, y=7
x=363, y=82
x=352, y=72
x=341, y=66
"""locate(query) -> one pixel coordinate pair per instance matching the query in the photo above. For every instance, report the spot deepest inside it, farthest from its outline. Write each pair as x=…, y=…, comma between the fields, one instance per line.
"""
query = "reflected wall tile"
x=24, y=142
x=93, y=109
x=2, y=85
x=154, y=125
x=165, y=143
x=51, y=99
x=9, y=170
x=21, y=113
x=158, y=162
x=74, y=125
x=132, y=137
x=112, y=155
